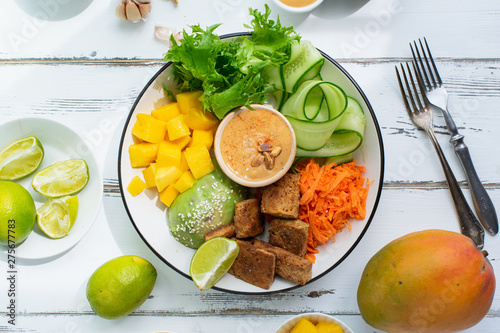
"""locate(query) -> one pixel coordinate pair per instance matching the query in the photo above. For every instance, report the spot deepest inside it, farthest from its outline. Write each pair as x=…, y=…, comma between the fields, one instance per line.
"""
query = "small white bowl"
x=229, y=171
x=315, y=318
x=304, y=9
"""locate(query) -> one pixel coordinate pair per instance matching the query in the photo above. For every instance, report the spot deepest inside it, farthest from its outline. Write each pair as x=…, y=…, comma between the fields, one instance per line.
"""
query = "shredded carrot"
x=330, y=195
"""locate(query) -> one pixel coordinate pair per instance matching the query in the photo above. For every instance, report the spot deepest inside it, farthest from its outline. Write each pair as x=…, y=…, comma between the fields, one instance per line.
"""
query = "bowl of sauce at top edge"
x=298, y=6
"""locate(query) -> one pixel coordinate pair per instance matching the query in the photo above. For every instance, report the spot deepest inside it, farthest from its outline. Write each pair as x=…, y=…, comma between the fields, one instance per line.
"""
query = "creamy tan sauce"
x=298, y=3
x=242, y=136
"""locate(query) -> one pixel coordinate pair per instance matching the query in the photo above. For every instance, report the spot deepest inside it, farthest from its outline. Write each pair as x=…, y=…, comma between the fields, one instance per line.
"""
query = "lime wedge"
x=212, y=260
x=62, y=178
x=56, y=217
x=20, y=158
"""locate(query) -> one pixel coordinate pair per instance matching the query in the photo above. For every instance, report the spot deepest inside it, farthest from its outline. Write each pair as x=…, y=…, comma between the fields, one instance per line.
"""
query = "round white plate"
x=59, y=143
x=149, y=217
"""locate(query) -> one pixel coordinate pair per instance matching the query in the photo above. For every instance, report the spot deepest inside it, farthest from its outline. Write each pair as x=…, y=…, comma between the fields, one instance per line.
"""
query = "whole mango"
x=426, y=281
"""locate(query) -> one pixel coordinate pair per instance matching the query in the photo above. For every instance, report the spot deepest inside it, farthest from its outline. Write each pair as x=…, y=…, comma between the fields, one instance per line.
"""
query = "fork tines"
x=414, y=101
x=433, y=80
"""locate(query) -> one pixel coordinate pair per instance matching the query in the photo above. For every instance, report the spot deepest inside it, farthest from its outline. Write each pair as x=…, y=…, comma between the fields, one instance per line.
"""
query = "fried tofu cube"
x=149, y=175
x=149, y=129
x=198, y=119
x=189, y=100
x=136, y=186
x=202, y=137
x=166, y=112
x=253, y=265
x=169, y=154
x=168, y=195
x=281, y=199
x=288, y=265
x=290, y=235
x=165, y=176
x=185, y=182
x=177, y=128
x=247, y=219
x=227, y=231
x=142, y=154
x=199, y=161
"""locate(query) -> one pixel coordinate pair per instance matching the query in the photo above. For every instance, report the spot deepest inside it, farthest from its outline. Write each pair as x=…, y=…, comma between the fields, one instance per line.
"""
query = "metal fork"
x=420, y=113
x=438, y=96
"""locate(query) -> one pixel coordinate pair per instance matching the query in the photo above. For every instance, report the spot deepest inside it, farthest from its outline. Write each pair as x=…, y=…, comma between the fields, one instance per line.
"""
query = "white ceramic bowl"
x=287, y=326
x=304, y=9
x=149, y=217
x=229, y=172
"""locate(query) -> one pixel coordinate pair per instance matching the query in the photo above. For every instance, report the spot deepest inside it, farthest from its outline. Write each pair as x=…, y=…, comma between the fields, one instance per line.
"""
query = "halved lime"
x=62, y=178
x=212, y=260
x=56, y=217
x=20, y=158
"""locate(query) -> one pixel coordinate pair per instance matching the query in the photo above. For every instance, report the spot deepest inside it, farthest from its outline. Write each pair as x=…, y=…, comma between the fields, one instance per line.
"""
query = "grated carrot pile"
x=330, y=195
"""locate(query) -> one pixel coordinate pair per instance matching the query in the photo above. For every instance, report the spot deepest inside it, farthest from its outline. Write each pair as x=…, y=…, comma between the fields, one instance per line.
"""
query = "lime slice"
x=56, y=217
x=212, y=260
x=20, y=158
x=62, y=178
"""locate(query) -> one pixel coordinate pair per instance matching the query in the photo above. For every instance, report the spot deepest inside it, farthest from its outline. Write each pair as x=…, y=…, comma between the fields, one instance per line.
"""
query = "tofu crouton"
x=247, y=219
x=254, y=265
x=288, y=265
x=227, y=231
x=281, y=199
x=290, y=235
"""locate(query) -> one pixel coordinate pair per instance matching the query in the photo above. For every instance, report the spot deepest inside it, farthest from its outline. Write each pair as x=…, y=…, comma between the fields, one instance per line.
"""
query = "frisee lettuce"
x=231, y=74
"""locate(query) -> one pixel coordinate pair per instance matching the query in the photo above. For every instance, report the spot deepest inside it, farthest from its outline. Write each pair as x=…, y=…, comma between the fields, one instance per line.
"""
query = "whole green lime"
x=17, y=214
x=120, y=286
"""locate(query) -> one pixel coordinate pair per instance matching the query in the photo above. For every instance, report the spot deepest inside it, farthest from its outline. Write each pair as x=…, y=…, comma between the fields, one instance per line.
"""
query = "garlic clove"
x=163, y=33
x=132, y=11
x=177, y=38
x=120, y=11
x=144, y=9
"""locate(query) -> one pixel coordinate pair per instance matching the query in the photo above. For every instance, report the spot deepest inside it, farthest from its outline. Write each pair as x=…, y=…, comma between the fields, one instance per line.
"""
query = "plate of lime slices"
x=62, y=148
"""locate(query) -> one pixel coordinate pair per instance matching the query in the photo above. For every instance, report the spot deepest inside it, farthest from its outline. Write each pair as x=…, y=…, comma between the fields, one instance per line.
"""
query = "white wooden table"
x=76, y=63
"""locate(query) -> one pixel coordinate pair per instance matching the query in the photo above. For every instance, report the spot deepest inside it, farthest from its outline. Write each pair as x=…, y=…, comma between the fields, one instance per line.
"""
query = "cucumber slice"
x=305, y=62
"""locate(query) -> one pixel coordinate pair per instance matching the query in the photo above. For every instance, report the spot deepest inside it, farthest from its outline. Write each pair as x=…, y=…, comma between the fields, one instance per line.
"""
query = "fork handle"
x=469, y=224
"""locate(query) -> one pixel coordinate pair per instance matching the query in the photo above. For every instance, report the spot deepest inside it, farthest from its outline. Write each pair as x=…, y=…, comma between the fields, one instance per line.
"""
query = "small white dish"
x=315, y=318
x=59, y=143
x=294, y=9
x=230, y=172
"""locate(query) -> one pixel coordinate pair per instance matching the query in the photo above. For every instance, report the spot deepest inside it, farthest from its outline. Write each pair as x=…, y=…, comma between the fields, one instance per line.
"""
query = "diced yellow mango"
x=177, y=128
x=304, y=326
x=189, y=100
x=142, y=154
x=169, y=154
x=185, y=182
x=184, y=164
x=202, y=137
x=200, y=119
x=149, y=129
x=149, y=175
x=326, y=327
x=166, y=112
x=168, y=195
x=165, y=176
x=136, y=186
x=199, y=161
x=182, y=142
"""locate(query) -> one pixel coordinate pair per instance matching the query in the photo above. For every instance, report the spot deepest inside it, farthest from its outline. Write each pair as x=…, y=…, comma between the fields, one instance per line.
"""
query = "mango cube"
x=168, y=195
x=200, y=119
x=202, y=137
x=165, y=176
x=149, y=175
x=182, y=142
x=189, y=100
x=136, y=186
x=304, y=326
x=166, y=112
x=149, y=129
x=142, y=154
x=185, y=182
x=184, y=164
x=326, y=327
x=177, y=128
x=169, y=154
x=199, y=161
